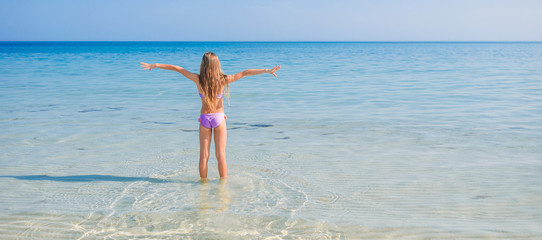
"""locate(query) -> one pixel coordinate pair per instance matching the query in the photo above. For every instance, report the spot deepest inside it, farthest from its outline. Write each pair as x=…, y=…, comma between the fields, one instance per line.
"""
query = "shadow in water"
x=88, y=178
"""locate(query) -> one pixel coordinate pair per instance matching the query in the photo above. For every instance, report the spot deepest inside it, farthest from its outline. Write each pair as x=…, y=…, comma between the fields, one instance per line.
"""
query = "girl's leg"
x=204, y=148
x=220, y=149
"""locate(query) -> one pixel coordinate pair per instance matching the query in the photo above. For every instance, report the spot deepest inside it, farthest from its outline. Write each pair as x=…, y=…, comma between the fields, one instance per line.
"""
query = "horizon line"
x=301, y=41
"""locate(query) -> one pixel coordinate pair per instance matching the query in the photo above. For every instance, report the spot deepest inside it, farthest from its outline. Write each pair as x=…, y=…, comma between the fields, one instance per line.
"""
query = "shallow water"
x=352, y=140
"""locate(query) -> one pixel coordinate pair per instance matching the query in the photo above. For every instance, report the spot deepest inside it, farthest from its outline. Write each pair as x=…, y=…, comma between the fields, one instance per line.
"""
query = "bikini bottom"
x=211, y=120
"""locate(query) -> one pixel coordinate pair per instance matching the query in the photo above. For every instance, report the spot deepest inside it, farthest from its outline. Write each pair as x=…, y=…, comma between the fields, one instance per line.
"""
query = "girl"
x=211, y=84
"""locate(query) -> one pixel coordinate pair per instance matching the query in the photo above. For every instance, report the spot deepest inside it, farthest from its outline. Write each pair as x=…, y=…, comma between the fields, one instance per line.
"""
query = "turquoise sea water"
x=351, y=141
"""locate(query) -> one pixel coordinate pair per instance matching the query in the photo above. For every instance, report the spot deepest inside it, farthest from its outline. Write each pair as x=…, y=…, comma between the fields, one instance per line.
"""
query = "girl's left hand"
x=147, y=66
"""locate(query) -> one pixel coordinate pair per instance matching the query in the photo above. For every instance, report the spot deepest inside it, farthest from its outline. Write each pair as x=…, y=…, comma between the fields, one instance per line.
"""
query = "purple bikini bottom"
x=211, y=120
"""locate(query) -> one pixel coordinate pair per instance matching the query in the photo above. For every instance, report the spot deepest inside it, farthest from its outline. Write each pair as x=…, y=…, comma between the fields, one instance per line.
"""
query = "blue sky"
x=271, y=20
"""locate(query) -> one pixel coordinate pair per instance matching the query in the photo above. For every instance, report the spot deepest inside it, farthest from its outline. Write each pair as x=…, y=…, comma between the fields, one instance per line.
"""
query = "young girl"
x=211, y=84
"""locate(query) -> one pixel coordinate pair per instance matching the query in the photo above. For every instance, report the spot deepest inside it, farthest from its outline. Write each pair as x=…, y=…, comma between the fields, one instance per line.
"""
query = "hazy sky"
x=271, y=20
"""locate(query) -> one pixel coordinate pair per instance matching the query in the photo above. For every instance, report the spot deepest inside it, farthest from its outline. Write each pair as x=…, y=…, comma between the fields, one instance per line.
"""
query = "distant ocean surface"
x=353, y=140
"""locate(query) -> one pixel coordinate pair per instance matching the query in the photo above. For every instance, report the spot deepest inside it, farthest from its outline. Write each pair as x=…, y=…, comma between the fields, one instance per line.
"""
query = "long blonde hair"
x=212, y=80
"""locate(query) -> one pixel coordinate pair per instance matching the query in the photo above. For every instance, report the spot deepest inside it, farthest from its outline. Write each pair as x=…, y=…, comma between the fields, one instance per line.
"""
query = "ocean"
x=352, y=140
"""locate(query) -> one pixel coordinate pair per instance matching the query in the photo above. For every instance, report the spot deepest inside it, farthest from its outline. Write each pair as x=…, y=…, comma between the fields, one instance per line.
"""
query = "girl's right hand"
x=147, y=66
x=272, y=71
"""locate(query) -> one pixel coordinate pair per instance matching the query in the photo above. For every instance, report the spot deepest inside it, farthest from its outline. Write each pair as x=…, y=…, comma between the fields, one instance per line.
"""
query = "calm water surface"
x=352, y=140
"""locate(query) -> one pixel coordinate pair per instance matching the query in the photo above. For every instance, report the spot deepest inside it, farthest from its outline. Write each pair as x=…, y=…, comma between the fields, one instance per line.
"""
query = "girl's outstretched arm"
x=192, y=76
x=251, y=72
